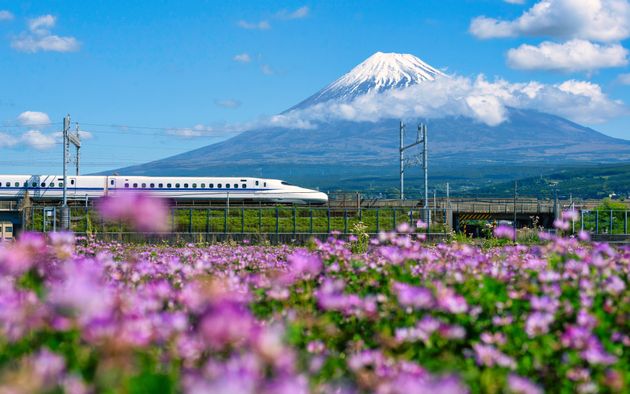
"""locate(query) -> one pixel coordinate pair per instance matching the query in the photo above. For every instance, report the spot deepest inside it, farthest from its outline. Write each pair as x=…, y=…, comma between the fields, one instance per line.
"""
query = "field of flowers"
x=80, y=316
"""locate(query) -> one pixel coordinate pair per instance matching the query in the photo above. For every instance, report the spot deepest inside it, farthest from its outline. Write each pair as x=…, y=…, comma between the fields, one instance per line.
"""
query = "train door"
x=6, y=231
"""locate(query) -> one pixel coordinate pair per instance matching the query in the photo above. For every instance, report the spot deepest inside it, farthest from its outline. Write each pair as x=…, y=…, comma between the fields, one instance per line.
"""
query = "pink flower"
x=571, y=215
x=503, y=231
x=521, y=385
x=144, y=213
x=561, y=224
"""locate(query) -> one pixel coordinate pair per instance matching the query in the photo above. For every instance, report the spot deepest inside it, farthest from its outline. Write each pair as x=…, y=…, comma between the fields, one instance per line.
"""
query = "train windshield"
x=286, y=183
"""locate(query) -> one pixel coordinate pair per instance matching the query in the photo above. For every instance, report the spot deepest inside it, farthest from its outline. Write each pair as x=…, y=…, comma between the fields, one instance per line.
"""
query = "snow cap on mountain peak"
x=379, y=72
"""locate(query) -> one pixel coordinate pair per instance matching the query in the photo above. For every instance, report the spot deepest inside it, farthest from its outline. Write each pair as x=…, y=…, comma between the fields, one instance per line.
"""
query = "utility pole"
x=68, y=138
x=78, y=146
x=425, y=166
x=421, y=138
x=65, y=212
x=515, y=194
x=402, y=160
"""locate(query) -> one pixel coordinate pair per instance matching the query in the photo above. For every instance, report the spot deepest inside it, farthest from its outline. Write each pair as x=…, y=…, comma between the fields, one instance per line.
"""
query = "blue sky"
x=173, y=64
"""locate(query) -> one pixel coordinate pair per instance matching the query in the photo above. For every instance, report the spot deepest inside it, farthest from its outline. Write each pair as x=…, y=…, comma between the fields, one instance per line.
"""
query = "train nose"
x=320, y=197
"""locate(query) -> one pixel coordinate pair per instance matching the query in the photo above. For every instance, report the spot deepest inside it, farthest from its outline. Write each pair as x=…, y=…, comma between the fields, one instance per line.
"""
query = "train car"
x=50, y=187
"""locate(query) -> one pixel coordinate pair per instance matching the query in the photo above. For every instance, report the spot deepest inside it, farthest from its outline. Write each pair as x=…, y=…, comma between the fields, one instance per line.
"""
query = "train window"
x=236, y=185
x=60, y=184
x=34, y=184
x=244, y=186
x=152, y=185
x=17, y=184
x=126, y=185
x=144, y=185
x=8, y=229
x=265, y=184
x=135, y=185
x=211, y=186
x=72, y=181
x=168, y=185
x=194, y=185
x=185, y=186
x=203, y=185
x=256, y=183
x=160, y=185
x=177, y=185
x=111, y=182
x=219, y=186
x=8, y=184
x=227, y=185
x=43, y=184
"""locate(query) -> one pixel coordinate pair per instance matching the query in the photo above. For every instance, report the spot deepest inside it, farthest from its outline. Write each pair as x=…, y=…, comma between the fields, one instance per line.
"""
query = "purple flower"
x=504, y=231
x=412, y=296
x=450, y=301
x=489, y=356
x=141, y=211
x=520, y=385
x=595, y=354
x=302, y=265
x=571, y=215
x=538, y=323
x=561, y=224
x=226, y=323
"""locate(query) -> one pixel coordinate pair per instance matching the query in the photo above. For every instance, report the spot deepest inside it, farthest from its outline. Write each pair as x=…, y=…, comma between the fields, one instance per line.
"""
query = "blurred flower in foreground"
x=504, y=232
x=144, y=213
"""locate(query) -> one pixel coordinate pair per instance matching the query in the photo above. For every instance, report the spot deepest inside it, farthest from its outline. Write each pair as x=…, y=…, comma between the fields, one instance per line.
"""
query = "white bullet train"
x=50, y=187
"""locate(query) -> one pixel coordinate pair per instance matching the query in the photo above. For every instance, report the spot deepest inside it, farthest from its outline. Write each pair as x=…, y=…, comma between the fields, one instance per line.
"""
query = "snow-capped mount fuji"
x=378, y=73
x=345, y=154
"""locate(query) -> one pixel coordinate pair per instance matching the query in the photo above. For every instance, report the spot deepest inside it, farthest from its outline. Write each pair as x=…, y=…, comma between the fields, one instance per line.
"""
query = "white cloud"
x=33, y=118
x=242, y=58
x=7, y=140
x=262, y=25
x=37, y=140
x=5, y=15
x=479, y=99
x=42, y=24
x=598, y=20
x=39, y=38
x=624, y=79
x=574, y=55
x=266, y=69
x=85, y=135
x=300, y=13
x=228, y=103
x=515, y=1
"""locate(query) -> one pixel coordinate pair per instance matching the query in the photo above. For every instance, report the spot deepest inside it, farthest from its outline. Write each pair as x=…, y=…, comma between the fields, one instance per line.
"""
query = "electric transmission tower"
x=68, y=138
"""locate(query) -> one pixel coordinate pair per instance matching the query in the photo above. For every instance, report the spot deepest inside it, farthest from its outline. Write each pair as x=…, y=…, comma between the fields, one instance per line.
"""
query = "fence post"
x=242, y=220
x=345, y=221
x=394, y=215
x=259, y=219
x=378, y=225
x=225, y=220
x=294, y=221
x=277, y=223
x=596, y=222
x=625, y=223
x=611, y=222
x=328, y=220
x=173, y=219
x=190, y=224
x=310, y=224
x=582, y=220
